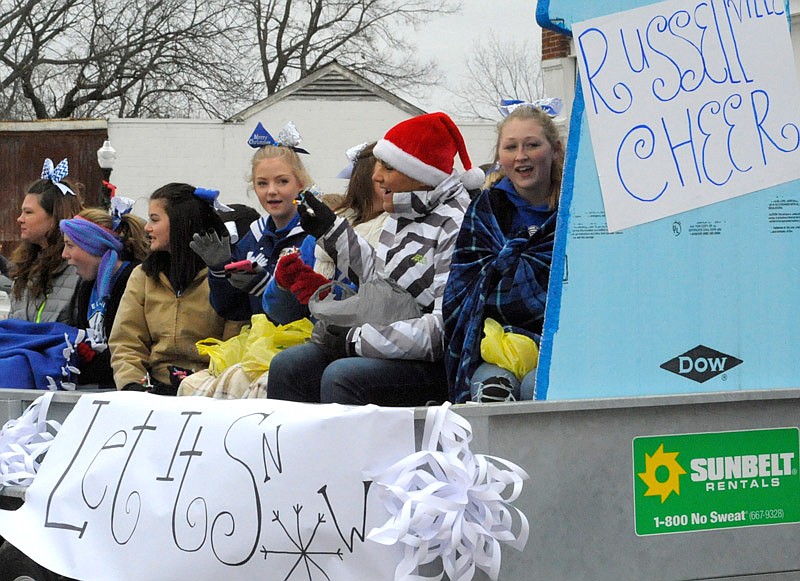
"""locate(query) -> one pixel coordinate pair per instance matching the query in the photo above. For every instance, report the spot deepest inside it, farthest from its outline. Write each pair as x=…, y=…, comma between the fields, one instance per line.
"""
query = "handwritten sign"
x=145, y=487
x=689, y=104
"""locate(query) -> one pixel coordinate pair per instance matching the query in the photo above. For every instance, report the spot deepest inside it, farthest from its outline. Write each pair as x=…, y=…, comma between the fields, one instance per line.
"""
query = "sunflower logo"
x=662, y=487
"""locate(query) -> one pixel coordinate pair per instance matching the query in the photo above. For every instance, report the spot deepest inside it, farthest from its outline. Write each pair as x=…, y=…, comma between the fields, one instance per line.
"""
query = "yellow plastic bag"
x=223, y=354
x=517, y=353
x=266, y=340
x=255, y=346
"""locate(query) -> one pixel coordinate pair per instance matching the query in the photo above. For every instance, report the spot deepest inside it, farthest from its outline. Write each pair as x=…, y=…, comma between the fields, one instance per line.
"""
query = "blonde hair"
x=552, y=136
x=131, y=231
x=288, y=155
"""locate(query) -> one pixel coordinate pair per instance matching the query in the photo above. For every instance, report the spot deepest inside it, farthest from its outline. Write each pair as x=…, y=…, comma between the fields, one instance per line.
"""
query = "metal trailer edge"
x=579, y=498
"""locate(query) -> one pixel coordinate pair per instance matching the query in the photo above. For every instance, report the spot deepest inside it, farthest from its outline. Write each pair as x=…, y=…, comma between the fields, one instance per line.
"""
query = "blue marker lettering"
x=620, y=91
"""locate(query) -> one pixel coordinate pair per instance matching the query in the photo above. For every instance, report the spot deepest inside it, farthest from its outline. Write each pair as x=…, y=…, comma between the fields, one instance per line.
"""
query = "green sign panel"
x=696, y=482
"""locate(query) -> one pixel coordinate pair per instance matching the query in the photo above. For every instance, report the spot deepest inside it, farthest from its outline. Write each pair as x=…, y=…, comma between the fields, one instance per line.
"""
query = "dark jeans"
x=305, y=374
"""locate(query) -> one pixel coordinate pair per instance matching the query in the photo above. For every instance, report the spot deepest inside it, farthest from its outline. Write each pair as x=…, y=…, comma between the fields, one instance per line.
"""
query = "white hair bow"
x=352, y=155
x=288, y=137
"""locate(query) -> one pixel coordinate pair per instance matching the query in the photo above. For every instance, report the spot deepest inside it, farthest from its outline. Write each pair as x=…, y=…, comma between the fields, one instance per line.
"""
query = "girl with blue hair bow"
x=165, y=309
x=104, y=248
x=44, y=284
x=277, y=176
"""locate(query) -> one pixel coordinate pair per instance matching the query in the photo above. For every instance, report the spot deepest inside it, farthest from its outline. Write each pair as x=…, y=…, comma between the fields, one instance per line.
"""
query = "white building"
x=333, y=109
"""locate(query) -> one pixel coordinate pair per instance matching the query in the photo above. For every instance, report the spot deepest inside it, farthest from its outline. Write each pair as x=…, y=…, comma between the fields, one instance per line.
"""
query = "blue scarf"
x=97, y=241
x=492, y=275
x=97, y=312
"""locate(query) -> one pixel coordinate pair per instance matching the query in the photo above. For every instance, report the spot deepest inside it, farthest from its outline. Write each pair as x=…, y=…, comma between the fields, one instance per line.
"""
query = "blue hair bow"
x=211, y=197
x=56, y=174
x=550, y=106
x=288, y=137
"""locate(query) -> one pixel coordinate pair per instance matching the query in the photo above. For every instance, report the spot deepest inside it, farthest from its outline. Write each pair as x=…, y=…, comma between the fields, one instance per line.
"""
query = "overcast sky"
x=450, y=38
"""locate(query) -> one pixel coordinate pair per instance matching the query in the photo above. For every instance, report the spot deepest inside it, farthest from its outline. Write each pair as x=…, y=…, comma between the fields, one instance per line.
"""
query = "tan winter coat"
x=154, y=328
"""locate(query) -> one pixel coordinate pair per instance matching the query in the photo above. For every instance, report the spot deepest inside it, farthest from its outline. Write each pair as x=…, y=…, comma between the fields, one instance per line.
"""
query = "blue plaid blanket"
x=30, y=353
x=492, y=275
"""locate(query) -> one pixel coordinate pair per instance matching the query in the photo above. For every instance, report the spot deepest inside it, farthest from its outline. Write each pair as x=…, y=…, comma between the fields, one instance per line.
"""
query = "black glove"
x=157, y=388
x=133, y=386
x=163, y=389
x=215, y=251
x=178, y=374
x=250, y=282
x=335, y=344
x=315, y=217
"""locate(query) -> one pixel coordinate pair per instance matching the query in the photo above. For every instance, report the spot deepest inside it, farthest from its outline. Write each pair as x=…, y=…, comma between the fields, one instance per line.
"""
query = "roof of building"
x=331, y=82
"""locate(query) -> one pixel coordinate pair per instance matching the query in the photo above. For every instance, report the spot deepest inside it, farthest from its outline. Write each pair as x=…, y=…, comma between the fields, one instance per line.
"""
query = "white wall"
x=559, y=77
x=153, y=152
x=215, y=154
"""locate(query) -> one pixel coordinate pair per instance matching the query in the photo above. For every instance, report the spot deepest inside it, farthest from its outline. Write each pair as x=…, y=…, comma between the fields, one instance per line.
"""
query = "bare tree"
x=499, y=69
x=294, y=38
x=93, y=57
x=27, y=26
x=158, y=58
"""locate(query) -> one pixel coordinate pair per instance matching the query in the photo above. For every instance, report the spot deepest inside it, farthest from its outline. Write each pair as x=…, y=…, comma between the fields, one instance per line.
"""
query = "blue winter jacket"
x=236, y=305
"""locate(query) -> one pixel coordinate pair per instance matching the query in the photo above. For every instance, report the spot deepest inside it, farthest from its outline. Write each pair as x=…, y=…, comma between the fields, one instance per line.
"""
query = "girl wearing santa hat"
x=400, y=363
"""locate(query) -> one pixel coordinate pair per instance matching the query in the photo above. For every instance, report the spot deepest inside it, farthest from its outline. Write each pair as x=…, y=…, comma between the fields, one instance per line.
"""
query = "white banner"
x=689, y=103
x=141, y=487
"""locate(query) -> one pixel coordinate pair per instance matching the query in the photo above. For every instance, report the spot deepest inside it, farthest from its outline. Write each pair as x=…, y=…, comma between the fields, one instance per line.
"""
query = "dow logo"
x=701, y=364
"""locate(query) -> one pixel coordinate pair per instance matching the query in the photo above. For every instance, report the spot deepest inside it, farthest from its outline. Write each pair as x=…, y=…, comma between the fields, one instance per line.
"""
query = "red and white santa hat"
x=424, y=149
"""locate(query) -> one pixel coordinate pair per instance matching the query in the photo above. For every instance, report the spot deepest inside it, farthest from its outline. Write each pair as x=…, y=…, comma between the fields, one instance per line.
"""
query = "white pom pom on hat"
x=473, y=179
x=424, y=148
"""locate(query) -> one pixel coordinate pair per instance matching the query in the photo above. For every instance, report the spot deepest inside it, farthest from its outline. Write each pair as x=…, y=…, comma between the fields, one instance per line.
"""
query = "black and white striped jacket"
x=414, y=249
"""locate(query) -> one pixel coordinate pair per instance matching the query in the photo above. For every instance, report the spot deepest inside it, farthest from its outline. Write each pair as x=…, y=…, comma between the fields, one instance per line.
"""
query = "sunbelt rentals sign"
x=695, y=482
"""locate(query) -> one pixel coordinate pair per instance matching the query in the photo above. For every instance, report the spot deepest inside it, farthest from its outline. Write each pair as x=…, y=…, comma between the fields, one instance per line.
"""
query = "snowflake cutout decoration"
x=302, y=549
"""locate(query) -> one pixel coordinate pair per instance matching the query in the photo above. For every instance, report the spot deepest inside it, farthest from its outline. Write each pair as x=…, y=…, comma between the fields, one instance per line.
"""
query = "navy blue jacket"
x=236, y=305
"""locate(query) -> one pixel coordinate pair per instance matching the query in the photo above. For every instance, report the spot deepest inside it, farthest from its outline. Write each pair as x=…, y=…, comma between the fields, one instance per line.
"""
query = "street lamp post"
x=106, y=158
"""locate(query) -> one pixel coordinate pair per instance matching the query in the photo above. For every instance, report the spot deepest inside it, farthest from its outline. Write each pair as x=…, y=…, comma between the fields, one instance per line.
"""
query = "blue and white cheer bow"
x=352, y=156
x=551, y=106
x=56, y=174
x=212, y=197
x=288, y=137
x=120, y=205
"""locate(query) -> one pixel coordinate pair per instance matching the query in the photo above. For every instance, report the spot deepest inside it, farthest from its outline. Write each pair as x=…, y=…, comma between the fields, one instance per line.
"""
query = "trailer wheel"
x=16, y=566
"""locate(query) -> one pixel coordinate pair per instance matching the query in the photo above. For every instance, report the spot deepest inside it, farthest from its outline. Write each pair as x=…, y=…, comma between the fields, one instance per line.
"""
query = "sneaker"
x=495, y=389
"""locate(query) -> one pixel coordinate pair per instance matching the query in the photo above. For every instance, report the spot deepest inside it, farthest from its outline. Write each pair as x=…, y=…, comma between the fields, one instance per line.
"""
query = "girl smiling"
x=277, y=177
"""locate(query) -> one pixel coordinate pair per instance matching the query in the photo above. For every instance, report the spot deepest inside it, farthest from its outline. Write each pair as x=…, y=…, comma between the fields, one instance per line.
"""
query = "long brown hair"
x=187, y=215
x=359, y=195
x=34, y=265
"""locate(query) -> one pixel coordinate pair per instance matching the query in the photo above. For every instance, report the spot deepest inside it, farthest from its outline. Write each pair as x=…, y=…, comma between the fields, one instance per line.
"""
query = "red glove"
x=292, y=274
x=85, y=352
x=287, y=269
